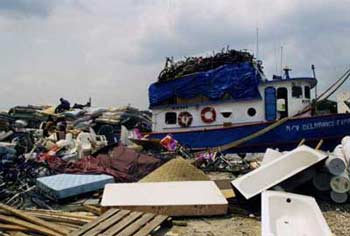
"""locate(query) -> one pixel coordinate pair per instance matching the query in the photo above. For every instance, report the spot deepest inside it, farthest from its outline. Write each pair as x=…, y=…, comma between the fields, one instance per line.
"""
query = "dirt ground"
x=245, y=224
x=338, y=219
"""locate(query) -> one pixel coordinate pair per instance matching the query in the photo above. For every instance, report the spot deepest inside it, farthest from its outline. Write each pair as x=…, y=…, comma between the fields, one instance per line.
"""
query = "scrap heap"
x=69, y=176
x=190, y=65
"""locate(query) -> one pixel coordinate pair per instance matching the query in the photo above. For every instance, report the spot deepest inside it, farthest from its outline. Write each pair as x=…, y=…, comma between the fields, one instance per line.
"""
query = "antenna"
x=257, y=43
x=276, y=60
x=281, y=60
x=314, y=74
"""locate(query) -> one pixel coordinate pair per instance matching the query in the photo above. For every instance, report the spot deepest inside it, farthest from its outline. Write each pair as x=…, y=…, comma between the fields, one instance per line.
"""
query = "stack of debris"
x=50, y=223
x=191, y=65
x=69, y=160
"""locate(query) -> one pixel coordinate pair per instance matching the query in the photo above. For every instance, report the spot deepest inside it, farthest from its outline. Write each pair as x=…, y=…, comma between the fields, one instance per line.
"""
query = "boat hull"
x=329, y=128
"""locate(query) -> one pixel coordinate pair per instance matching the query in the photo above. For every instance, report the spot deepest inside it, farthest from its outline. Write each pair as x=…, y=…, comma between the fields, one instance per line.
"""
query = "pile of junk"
x=38, y=141
x=93, y=171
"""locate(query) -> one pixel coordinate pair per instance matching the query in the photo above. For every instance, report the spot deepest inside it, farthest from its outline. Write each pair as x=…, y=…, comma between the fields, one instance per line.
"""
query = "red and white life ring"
x=185, y=119
x=208, y=115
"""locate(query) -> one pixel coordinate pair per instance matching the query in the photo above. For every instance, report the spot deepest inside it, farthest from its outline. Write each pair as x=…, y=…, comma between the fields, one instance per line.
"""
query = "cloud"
x=26, y=8
x=113, y=50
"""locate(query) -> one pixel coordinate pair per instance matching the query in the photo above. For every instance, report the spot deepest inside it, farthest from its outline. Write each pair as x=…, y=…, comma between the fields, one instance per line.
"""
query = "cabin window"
x=226, y=114
x=251, y=111
x=307, y=92
x=297, y=92
x=170, y=118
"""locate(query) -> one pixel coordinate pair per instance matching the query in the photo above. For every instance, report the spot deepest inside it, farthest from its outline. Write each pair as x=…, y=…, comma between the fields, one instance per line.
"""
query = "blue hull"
x=330, y=128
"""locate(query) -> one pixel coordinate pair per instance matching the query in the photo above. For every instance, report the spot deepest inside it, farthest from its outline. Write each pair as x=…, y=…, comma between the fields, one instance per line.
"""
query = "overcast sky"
x=113, y=50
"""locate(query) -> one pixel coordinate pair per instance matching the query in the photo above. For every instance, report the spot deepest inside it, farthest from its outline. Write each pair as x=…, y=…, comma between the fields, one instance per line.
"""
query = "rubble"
x=37, y=144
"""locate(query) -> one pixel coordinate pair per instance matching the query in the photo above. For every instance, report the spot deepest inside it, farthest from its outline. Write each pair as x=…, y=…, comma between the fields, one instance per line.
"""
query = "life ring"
x=208, y=115
x=185, y=119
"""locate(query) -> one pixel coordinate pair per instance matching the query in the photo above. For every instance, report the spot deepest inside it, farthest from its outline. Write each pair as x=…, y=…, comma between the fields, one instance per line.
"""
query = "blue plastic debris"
x=67, y=185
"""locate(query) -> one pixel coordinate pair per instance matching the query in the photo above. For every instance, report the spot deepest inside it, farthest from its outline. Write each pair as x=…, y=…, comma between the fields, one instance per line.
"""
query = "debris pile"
x=174, y=70
x=99, y=160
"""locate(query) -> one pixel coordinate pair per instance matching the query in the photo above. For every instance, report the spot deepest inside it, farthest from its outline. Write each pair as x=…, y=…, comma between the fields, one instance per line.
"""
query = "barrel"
x=339, y=197
x=340, y=183
x=335, y=164
x=322, y=180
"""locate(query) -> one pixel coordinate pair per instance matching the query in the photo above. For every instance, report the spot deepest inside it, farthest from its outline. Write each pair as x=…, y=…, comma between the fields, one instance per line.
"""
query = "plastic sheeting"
x=238, y=80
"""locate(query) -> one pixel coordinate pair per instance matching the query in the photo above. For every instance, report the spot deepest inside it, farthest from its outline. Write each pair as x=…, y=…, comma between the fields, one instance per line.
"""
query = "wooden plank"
x=108, y=223
x=93, y=209
x=12, y=227
x=60, y=219
x=33, y=227
x=135, y=226
x=92, y=224
x=319, y=144
x=68, y=225
x=150, y=226
x=114, y=230
x=33, y=219
x=75, y=215
x=20, y=234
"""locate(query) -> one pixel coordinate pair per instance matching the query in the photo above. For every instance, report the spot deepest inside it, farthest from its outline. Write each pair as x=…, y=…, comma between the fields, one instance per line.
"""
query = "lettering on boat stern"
x=317, y=125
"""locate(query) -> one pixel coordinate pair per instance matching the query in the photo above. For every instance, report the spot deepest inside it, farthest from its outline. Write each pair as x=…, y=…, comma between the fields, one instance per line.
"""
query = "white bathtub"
x=287, y=214
x=277, y=170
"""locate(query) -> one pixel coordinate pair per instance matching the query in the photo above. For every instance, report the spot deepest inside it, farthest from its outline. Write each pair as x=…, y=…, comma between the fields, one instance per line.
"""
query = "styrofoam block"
x=170, y=198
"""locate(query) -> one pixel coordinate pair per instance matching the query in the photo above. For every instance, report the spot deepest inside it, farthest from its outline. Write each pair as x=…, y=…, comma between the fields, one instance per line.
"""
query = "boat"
x=233, y=107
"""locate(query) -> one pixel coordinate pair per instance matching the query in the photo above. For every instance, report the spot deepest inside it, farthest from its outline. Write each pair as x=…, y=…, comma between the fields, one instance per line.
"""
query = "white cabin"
x=279, y=98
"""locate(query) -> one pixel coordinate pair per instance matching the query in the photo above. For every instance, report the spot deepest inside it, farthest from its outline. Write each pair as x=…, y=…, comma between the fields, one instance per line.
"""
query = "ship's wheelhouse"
x=278, y=99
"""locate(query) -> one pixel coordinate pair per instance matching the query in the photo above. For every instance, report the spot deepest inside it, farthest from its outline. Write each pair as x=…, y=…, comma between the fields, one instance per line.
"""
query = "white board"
x=170, y=198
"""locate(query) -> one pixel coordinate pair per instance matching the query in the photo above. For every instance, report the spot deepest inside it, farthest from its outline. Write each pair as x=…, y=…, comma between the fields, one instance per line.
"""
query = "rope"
x=249, y=137
x=345, y=75
x=274, y=125
x=342, y=78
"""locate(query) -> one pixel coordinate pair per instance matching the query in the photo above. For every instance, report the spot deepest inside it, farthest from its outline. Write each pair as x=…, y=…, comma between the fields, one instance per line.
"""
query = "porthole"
x=170, y=118
x=226, y=114
x=251, y=111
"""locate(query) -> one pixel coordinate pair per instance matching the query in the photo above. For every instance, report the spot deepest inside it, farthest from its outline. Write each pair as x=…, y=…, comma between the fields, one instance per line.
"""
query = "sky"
x=113, y=50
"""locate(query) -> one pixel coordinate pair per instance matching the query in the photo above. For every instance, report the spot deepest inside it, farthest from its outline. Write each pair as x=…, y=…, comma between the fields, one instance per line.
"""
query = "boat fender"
x=185, y=119
x=208, y=115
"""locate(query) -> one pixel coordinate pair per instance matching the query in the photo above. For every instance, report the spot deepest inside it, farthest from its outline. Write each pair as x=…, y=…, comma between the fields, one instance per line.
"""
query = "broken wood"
x=34, y=219
x=12, y=227
x=75, y=215
x=96, y=222
x=30, y=226
x=122, y=223
x=60, y=219
x=93, y=209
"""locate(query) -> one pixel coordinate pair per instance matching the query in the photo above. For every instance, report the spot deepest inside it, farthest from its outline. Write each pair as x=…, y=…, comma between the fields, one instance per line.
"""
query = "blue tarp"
x=238, y=80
